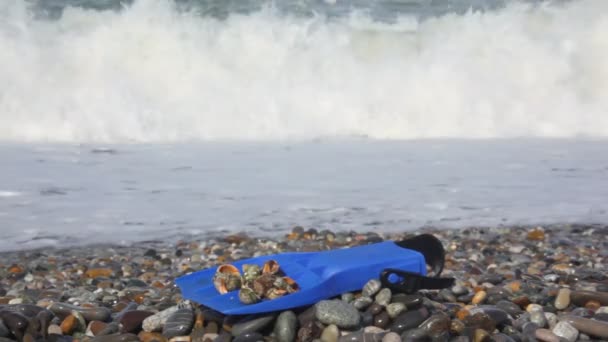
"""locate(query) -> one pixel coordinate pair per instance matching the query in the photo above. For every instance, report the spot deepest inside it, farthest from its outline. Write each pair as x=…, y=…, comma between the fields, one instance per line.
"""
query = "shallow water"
x=69, y=195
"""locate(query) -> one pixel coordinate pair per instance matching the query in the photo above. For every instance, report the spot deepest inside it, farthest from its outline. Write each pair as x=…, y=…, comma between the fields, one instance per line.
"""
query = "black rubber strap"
x=434, y=255
x=410, y=282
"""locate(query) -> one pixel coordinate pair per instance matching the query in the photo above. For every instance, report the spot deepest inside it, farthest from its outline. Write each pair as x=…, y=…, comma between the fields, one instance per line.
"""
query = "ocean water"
x=125, y=121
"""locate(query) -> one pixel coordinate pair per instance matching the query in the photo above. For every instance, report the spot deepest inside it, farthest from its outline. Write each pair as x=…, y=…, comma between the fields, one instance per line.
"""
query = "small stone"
x=99, y=272
x=481, y=336
x=249, y=337
x=509, y=307
x=415, y=335
x=384, y=297
x=286, y=327
x=394, y=309
x=68, y=325
x=375, y=308
x=587, y=326
x=408, y=320
x=309, y=331
x=156, y=321
x=411, y=301
x=360, y=336
x=179, y=323
x=347, y=297
x=546, y=335
x=131, y=321
x=534, y=307
x=459, y=290
x=337, y=312
x=54, y=329
x=536, y=235
x=382, y=320
x=330, y=333
x=563, y=299
x=479, y=297
x=4, y=332
x=457, y=327
x=436, y=325
x=391, y=337
x=89, y=313
x=538, y=317
x=180, y=339
x=252, y=325
x=498, y=315
x=145, y=336
x=362, y=302
x=580, y=298
x=551, y=319
x=566, y=331
x=373, y=329
x=371, y=288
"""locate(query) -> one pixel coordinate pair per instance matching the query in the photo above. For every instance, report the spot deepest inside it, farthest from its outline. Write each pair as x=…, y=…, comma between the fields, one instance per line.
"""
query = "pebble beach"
x=512, y=284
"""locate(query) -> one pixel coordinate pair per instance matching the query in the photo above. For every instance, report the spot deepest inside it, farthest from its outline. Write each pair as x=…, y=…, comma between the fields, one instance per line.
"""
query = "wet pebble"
x=566, y=331
x=179, y=323
x=546, y=335
x=563, y=299
x=252, y=325
x=249, y=337
x=286, y=327
x=581, y=298
x=394, y=309
x=539, y=318
x=362, y=303
x=587, y=326
x=337, y=312
x=384, y=297
x=391, y=337
x=330, y=333
x=90, y=314
x=156, y=321
x=408, y=320
x=371, y=288
x=131, y=321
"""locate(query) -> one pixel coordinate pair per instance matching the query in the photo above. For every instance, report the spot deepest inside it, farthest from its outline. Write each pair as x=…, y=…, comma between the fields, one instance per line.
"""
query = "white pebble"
x=566, y=331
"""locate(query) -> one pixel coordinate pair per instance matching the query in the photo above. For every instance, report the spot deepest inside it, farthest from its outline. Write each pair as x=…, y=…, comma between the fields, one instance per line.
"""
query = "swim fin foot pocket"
x=408, y=282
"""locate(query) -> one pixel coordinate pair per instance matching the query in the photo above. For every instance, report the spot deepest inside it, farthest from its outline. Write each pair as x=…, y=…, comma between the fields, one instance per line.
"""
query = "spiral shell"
x=274, y=293
x=248, y=296
x=227, y=278
x=263, y=283
x=270, y=267
x=251, y=272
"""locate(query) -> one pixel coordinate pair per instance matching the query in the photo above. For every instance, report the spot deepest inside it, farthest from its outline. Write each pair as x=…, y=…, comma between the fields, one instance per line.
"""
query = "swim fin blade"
x=320, y=275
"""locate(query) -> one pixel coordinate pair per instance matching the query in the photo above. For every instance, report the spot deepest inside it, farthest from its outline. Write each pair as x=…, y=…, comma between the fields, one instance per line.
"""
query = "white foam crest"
x=149, y=73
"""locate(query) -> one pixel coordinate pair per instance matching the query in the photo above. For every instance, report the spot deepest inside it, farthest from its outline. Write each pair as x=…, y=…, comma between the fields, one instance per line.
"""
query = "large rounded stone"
x=286, y=327
x=337, y=312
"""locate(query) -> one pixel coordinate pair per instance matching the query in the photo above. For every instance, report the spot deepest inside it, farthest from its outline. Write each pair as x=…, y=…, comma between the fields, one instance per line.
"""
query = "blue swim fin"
x=320, y=275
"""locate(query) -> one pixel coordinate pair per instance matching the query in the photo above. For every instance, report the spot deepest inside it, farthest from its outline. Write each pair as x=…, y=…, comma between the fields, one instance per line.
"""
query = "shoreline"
x=520, y=265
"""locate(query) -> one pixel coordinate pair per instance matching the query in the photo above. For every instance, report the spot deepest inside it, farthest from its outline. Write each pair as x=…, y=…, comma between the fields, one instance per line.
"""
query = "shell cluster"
x=255, y=283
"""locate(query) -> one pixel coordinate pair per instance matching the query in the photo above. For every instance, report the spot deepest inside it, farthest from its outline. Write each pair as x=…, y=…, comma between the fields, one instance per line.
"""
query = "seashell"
x=227, y=278
x=263, y=283
x=371, y=288
x=274, y=293
x=248, y=296
x=270, y=267
x=251, y=272
x=292, y=286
